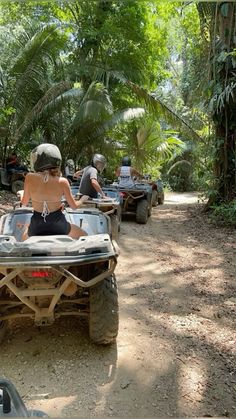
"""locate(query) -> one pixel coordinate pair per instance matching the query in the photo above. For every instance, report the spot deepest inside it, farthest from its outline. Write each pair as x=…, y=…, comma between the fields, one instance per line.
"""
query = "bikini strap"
x=45, y=211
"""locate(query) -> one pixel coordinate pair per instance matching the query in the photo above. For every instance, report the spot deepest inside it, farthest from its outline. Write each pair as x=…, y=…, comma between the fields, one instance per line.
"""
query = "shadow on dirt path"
x=175, y=353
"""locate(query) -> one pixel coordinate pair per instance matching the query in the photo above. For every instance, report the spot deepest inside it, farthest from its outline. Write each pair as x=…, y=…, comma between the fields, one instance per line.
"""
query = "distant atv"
x=46, y=277
x=137, y=200
x=110, y=206
x=14, y=181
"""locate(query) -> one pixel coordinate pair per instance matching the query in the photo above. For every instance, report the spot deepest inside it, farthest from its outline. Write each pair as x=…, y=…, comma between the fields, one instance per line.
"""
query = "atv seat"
x=15, y=224
x=91, y=220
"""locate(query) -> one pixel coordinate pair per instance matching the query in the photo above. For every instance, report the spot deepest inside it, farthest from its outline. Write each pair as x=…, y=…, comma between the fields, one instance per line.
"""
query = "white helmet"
x=99, y=161
x=70, y=163
x=45, y=156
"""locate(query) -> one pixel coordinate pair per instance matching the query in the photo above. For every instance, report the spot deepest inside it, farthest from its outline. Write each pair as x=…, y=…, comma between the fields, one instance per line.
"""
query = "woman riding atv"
x=46, y=188
x=127, y=173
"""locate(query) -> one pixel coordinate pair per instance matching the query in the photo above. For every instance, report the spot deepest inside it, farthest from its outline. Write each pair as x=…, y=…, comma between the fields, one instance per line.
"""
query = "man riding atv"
x=70, y=170
x=12, y=174
x=13, y=164
x=89, y=185
x=137, y=196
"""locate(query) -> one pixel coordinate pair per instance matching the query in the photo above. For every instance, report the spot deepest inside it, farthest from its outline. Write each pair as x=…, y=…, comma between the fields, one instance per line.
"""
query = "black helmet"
x=99, y=161
x=126, y=161
x=45, y=156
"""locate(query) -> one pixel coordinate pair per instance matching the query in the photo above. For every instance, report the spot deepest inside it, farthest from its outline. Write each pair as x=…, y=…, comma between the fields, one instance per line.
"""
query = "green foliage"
x=146, y=143
x=78, y=73
x=224, y=214
x=118, y=36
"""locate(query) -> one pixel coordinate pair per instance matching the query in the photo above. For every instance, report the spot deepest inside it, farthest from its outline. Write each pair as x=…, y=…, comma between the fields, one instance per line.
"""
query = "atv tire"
x=119, y=219
x=17, y=185
x=150, y=210
x=3, y=328
x=103, y=316
x=114, y=226
x=142, y=211
x=154, y=198
x=160, y=200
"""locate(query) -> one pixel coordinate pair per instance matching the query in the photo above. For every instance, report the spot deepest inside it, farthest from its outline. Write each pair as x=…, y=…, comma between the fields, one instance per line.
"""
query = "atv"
x=110, y=206
x=47, y=277
x=116, y=209
x=137, y=200
x=14, y=180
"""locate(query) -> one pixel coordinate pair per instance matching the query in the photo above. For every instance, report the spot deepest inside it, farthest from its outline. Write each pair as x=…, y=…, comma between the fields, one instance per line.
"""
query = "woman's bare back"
x=45, y=188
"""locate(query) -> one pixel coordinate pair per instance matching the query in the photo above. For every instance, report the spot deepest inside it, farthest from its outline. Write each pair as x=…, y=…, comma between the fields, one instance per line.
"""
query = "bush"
x=224, y=213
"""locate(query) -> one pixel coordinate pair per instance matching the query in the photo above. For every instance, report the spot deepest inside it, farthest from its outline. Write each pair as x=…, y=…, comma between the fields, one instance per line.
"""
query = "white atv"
x=46, y=277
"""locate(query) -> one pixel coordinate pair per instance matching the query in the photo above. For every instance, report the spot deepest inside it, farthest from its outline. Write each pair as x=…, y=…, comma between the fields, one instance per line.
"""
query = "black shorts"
x=55, y=223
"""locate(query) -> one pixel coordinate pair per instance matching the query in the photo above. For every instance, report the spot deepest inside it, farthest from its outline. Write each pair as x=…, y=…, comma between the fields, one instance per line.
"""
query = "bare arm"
x=78, y=173
x=117, y=172
x=97, y=187
x=68, y=195
x=26, y=195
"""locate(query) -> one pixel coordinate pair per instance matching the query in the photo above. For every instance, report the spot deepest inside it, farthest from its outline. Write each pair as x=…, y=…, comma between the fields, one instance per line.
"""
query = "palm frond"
x=62, y=99
x=31, y=69
x=120, y=117
x=39, y=45
x=95, y=110
x=178, y=164
x=2, y=80
x=50, y=102
x=98, y=93
x=156, y=105
x=224, y=97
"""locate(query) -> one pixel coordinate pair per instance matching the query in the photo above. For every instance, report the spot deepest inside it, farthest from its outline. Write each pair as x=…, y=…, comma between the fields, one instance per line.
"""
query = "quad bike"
x=110, y=206
x=11, y=403
x=46, y=277
x=137, y=200
x=115, y=209
x=14, y=180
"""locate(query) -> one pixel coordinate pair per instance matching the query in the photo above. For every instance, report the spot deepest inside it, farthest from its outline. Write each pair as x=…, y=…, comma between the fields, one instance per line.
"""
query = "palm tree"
x=27, y=80
x=218, y=21
x=76, y=117
x=147, y=143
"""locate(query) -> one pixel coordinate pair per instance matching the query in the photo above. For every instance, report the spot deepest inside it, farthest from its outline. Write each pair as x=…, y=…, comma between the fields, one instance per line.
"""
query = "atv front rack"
x=107, y=206
x=57, y=254
x=46, y=315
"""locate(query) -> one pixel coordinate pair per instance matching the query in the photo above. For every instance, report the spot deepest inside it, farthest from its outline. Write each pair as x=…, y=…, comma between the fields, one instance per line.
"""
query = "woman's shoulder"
x=31, y=175
x=63, y=181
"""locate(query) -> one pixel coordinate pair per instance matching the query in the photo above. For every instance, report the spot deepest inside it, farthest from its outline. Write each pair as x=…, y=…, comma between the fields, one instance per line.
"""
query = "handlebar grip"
x=10, y=394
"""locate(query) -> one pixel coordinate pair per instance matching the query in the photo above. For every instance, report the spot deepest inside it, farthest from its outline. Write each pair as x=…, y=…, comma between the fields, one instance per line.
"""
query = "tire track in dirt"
x=175, y=353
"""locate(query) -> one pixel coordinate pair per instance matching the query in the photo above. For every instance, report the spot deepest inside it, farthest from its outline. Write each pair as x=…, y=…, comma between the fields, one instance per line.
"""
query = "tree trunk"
x=224, y=119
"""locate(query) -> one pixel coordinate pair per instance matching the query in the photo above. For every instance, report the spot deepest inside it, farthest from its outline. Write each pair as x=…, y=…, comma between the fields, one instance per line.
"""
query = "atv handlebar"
x=11, y=396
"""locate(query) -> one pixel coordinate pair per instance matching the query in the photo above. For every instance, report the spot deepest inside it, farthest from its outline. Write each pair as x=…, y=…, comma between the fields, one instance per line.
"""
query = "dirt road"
x=175, y=353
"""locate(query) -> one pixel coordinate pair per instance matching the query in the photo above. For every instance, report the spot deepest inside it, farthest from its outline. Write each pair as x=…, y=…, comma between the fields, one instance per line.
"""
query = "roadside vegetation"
x=154, y=80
